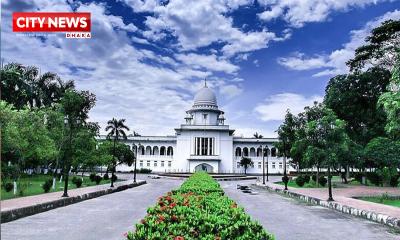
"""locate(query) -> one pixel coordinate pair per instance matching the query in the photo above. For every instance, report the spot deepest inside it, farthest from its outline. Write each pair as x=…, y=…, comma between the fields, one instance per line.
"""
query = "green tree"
x=123, y=155
x=75, y=106
x=384, y=153
x=25, y=86
x=26, y=142
x=286, y=137
x=354, y=99
x=329, y=139
x=246, y=163
x=116, y=131
x=390, y=101
x=380, y=47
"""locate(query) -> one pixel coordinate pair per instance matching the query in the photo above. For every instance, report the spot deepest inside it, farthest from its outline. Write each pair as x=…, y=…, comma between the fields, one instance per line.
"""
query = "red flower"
x=172, y=205
x=161, y=218
x=143, y=221
x=179, y=238
x=174, y=218
x=234, y=205
x=168, y=198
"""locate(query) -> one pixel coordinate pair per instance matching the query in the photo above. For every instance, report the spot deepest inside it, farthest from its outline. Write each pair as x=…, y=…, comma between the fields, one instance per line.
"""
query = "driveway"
x=107, y=217
x=290, y=219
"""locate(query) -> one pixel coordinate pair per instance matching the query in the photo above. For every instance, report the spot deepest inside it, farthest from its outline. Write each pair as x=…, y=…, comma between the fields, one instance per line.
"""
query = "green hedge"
x=197, y=210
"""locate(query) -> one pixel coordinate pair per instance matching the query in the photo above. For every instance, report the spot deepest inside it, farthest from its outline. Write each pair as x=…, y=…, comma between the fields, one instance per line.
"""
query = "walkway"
x=344, y=195
x=47, y=197
x=107, y=217
x=290, y=219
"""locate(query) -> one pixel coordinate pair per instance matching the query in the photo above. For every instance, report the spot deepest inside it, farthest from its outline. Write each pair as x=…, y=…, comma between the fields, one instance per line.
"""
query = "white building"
x=204, y=142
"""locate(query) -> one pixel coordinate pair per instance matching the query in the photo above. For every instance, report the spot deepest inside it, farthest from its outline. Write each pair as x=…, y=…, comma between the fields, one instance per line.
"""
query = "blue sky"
x=146, y=59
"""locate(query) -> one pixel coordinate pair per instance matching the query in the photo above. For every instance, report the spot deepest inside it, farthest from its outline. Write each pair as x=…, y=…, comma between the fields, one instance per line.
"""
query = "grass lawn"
x=391, y=202
x=33, y=185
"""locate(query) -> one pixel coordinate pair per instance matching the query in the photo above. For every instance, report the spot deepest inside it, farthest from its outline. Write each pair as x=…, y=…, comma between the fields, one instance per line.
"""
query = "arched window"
x=273, y=152
x=156, y=151
x=238, y=152
x=170, y=151
x=162, y=150
x=141, y=150
x=245, y=152
x=259, y=152
x=266, y=152
x=252, y=152
x=148, y=150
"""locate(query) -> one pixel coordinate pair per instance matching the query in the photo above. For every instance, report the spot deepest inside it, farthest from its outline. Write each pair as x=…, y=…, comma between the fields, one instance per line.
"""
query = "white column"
x=195, y=147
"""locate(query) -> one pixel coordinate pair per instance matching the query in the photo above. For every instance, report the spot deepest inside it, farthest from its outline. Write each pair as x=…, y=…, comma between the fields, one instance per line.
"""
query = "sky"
x=146, y=58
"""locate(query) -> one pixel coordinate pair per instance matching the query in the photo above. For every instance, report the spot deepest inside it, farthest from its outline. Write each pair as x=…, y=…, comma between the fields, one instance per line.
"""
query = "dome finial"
x=205, y=82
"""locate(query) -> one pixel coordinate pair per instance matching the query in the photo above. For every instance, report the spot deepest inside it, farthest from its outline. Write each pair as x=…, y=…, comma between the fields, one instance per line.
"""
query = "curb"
x=369, y=215
x=14, y=214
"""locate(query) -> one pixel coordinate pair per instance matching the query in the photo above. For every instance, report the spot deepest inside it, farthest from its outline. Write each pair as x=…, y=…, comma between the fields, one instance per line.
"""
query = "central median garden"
x=197, y=210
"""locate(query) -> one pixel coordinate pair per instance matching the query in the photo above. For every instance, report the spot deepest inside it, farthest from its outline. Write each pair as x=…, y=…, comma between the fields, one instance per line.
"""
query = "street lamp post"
x=136, y=155
x=267, y=149
x=263, y=161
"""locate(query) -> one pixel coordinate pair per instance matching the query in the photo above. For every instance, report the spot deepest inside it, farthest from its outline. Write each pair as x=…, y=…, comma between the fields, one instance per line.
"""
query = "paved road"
x=107, y=217
x=290, y=219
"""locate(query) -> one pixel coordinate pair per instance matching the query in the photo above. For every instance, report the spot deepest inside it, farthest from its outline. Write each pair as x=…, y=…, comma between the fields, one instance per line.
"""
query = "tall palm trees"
x=116, y=132
x=24, y=85
x=256, y=135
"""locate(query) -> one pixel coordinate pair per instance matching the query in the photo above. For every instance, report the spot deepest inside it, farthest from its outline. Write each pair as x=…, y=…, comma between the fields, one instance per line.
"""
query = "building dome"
x=205, y=97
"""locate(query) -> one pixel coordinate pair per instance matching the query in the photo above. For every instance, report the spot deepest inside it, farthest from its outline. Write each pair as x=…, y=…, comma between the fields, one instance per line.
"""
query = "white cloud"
x=198, y=24
x=209, y=62
x=335, y=62
x=268, y=15
x=299, y=62
x=275, y=106
x=151, y=97
x=300, y=12
x=230, y=91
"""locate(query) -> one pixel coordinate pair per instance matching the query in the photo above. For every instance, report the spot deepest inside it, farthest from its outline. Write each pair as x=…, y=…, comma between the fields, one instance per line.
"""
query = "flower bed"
x=197, y=210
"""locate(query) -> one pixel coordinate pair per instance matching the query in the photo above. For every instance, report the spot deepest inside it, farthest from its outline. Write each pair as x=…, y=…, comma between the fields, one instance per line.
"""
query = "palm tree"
x=116, y=131
x=256, y=135
x=246, y=163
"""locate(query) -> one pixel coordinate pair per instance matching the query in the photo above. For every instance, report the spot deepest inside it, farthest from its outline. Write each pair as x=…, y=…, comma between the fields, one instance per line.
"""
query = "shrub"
x=300, y=180
x=114, y=178
x=92, y=177
x=47, y=185
x=77, y=181
x=322, y=180
x=358, y=177
x=374, y=178
x=106, y=177
x=394, y=181
x=306, y=178
x=97, y=179
x=197, y=210
x=145, y=170
x=314, y=178
x=8, y=186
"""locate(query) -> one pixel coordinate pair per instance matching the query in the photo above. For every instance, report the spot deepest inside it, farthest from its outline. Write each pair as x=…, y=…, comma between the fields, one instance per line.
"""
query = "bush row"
x=197, y=210
x=376, y=179
x=303, y=179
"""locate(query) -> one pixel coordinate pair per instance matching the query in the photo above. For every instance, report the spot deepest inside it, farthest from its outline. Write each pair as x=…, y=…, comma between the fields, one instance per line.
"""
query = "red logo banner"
x=51, y=22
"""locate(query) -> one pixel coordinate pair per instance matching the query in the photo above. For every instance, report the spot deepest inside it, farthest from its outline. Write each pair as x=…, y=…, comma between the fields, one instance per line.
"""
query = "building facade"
x=203, y=142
